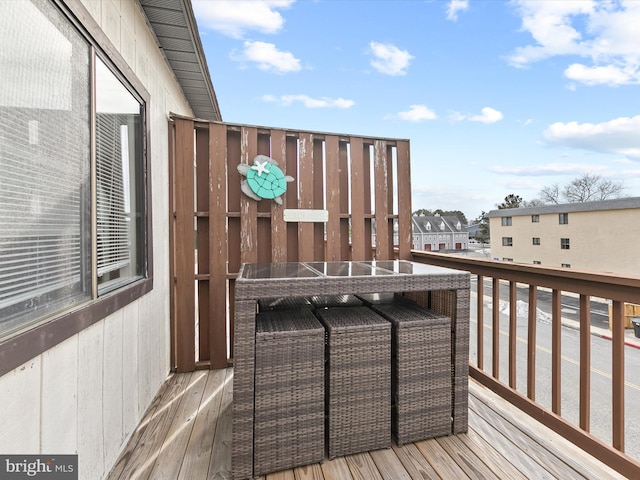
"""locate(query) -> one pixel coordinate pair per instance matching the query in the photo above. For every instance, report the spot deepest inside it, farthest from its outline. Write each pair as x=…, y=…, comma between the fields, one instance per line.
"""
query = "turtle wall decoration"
x=264, y=179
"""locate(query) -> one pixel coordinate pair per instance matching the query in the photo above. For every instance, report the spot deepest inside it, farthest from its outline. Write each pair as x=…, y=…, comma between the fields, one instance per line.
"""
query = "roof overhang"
x=176, y=30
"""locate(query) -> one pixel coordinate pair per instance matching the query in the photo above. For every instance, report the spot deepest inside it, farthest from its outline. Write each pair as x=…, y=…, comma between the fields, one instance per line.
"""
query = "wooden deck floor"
x=186, y=434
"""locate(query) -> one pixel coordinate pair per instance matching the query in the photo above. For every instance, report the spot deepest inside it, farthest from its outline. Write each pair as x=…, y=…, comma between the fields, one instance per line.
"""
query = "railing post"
x=513, y=313
x=531, y=342
x=585, y=362
x=617, y=374
x=480, y=322
x=556, y=351
x=496, y=328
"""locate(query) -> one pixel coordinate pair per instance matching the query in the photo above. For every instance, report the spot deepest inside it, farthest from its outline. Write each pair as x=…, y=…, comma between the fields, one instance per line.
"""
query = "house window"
x=537, y=262
x=564, y=243
x=507, y=259
x=535, y=218
x=507, y=241
x=566, y=265
x=55, y=253
x=563, y=218
x=506, y=221
x=536, y=240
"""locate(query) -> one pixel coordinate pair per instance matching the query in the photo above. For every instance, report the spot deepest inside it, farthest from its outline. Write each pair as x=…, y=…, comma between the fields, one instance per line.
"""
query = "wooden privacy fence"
x=363, y=183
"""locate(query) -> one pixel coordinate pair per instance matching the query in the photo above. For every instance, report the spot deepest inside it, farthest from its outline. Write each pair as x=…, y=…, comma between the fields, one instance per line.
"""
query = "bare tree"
x=589, y=188
x=550, y=194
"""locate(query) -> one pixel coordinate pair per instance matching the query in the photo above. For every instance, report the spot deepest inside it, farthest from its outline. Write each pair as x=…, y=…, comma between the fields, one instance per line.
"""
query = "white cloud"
x=268, y=57
x=601, y=75
x=547, y=169
x=389, y=59
x=236, y=17
x=487, y=115
x=456, y=6
x=417, y=113
x=605, y=33
x=619, y=136
x=309, y=102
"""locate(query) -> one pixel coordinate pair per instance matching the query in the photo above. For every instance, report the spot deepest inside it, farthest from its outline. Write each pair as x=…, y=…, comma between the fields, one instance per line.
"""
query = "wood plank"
x=198, y=453
x=405, y=222
x=184, y=253
x=491, y=457
x=318, y=199
x=362, y=467
x=220, y=466
x=169, y=461
x=138, y=459
x=568, y=453
x=381, y=199
x=305, y=196
x=308, y=472
x=440, y=460
x=530, y=459
x=414, y=462
x=358, y=191
x=278, y=225
x=282, y=475
x=336, y=468
x=218, y=245
x=466, y=458
x=248, y=206
x=333, y=189
x=388, y=465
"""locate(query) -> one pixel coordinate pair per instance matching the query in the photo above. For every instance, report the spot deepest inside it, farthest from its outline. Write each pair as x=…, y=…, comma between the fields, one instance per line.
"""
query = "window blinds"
x=111, y=215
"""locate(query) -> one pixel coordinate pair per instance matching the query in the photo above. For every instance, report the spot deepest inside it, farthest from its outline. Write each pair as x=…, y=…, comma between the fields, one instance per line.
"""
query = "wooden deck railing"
x=617, y=289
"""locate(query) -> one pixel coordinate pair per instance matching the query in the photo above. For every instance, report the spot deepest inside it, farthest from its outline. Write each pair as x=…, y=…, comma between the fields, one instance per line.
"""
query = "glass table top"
x=257, y=271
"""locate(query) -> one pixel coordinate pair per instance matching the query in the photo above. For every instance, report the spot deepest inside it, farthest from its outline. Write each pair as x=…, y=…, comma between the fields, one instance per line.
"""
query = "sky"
x=496, y=97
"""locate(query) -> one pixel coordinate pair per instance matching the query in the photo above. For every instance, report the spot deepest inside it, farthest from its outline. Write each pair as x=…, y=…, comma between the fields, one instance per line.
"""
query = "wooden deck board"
x=186, y=434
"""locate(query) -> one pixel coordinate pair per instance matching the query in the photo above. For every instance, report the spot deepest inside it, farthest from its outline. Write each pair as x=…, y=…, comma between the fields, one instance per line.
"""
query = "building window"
x=566, y=265
x=506, y=221
x=535, y=218
x=563, y=218
x=507, y=259
x=507, y=241
x=72, y=226
x=537, y=262
x=564, y=243
x=536, y=240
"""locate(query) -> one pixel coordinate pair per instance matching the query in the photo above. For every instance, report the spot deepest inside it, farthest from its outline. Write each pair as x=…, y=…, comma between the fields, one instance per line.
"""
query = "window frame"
x=535, y=218
x=25, y=345
x=535, y=240
x=565, y=244
x=507, y=241
x=506, y=221
x=563, y=219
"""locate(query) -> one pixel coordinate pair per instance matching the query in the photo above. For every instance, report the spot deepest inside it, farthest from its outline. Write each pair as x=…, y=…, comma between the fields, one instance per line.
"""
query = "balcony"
x=187, y=431
x=520, y=424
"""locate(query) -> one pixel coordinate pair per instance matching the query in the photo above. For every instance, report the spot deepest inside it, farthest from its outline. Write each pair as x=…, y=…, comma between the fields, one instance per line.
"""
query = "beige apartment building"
x=597, y=236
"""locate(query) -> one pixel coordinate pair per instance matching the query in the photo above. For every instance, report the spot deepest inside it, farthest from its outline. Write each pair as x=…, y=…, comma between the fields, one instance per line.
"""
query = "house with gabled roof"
x=437, y=233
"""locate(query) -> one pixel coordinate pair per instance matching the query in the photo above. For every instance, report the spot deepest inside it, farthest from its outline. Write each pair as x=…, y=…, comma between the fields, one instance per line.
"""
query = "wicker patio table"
x=443, y=290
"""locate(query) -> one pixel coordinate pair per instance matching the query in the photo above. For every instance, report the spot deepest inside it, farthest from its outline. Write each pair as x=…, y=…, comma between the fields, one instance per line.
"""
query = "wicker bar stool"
x=421, y=371
x=289, y=391
x=358, y=380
